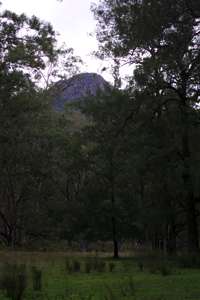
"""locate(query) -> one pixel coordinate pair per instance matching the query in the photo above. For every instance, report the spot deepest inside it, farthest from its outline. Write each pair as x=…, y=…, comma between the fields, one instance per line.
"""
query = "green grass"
x=61, y=278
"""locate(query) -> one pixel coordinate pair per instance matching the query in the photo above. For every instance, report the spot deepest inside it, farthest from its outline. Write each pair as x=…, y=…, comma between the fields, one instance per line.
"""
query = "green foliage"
x=123, y=166
x=30, y=132
x=165, y=85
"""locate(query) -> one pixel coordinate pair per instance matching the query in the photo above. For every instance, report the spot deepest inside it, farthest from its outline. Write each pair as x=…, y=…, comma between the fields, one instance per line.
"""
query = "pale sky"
x=73, y=20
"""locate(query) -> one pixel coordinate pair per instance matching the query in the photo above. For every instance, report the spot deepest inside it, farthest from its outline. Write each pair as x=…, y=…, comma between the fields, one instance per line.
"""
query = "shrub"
x=161, y=267
x=68, y=266
x=111, y=266
x=76, y=266
x=140, y=266
x=87, y=266
x=186, y=261
x=37, y=279
x=153, y=268
x=128, y=288
x=100, y=266
x=14, y=281
x=165, y=270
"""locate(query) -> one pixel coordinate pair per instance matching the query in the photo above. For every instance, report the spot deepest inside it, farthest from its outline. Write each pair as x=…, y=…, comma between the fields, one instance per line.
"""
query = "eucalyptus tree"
x=106, y=144
x=27, y=46
x=161, y=40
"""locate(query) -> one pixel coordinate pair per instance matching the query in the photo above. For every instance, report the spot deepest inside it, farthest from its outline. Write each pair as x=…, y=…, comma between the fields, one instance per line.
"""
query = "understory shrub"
x=36, y=279
x=13, y=281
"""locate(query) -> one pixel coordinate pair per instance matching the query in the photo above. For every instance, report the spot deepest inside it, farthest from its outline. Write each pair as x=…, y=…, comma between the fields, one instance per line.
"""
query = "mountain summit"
x=78, y=87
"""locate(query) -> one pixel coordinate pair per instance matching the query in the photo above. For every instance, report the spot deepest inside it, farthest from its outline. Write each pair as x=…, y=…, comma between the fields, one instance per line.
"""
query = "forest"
x=100, y=200
x=128, y=170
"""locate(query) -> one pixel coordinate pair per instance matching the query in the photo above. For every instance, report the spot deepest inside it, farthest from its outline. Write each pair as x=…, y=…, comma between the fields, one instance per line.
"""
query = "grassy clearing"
x=55, y=276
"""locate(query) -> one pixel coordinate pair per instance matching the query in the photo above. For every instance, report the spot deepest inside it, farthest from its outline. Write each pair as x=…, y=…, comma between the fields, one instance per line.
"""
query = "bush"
x=165, y=270
x=87, y=266
x=94, y=265
x=111, y=266
x=76, y=266
x=37, y=279
x=140, y=266
x=153, y=268
x=186, y=261
x=100, y=266
x=68, y=266
x=14, y=281
x=161, y=267
x=128, y=288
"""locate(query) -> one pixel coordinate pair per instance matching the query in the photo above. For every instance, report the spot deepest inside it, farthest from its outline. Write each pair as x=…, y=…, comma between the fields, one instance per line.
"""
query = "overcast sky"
x=72, y=19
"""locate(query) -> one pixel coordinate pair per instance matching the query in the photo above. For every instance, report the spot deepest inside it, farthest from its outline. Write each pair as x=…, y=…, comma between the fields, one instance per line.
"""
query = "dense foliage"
x=129, y=168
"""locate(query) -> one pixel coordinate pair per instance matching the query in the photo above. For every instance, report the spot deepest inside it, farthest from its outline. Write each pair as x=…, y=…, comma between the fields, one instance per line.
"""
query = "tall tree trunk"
x=170, y=227
x=115, y=241
x=114, y=222
x=155, y=240
x=191, y=216
x=192, y=227
x=171, y=238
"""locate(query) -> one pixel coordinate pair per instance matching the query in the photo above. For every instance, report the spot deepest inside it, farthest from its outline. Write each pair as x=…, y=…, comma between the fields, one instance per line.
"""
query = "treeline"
x=122, y=166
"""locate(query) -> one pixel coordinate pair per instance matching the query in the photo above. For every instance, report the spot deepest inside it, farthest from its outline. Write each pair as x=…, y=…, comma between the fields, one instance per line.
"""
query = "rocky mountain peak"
x=78, y=87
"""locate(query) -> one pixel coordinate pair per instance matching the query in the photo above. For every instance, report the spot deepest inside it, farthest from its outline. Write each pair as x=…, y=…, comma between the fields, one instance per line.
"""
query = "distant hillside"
x=78, y=87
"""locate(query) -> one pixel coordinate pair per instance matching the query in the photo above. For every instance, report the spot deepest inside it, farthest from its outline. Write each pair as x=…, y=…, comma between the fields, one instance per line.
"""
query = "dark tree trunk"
x=115, y=241
x=114, y=232
x=171, y=239
x=192, y=227
x=155, y=241
x=114, y=221
x=190, y=205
